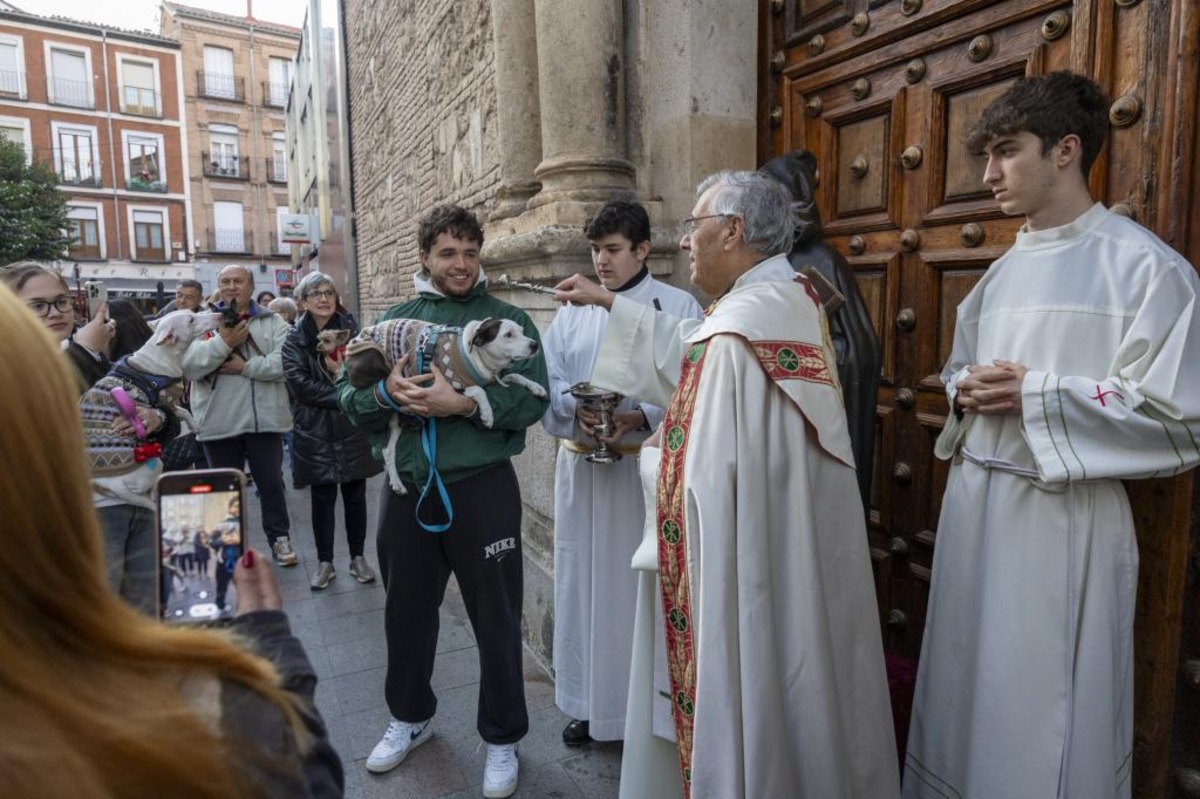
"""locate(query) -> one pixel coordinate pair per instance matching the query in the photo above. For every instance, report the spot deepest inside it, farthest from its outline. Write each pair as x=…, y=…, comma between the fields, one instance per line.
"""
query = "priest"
x=773, y=645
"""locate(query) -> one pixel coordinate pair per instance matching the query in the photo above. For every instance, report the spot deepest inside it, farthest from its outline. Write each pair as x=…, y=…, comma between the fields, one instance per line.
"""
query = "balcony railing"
x=221, y=87
x=228, y=167
x=146, y=182
x=12, y=84
x=276, y=170
x=140, y=102
x=70, y=177
x=76, y=93
x=231, y=240
x=151, y=255
x=274, y=94
x=84, y=252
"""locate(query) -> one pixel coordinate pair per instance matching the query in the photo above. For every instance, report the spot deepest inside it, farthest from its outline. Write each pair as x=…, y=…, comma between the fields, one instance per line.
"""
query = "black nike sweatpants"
x=483, y=550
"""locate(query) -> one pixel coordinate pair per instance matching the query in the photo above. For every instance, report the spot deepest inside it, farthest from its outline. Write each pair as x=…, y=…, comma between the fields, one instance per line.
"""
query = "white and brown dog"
x=469, y=358
x=151, y=377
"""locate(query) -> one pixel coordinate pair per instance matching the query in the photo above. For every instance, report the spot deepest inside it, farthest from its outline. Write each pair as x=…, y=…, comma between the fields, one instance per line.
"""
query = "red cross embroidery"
x=1101, y=394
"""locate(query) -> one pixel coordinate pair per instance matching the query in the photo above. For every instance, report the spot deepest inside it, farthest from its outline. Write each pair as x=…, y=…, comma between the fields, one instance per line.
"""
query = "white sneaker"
x=400, y=738
x=500, y=774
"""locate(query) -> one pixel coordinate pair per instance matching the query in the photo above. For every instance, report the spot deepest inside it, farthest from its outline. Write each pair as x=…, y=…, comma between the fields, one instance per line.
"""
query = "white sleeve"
x=1142, y=419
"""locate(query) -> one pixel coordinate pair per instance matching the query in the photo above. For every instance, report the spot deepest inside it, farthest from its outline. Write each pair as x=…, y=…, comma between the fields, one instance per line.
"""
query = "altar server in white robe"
x=1074, y=366
x=773, y=642
x=598, y=512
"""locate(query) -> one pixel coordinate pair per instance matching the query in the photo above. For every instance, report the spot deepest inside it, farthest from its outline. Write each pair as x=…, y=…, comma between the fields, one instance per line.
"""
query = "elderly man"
x=240, y=400
x=773, y=647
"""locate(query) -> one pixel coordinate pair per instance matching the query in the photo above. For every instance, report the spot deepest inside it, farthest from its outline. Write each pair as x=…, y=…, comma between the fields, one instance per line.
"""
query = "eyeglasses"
x=62, y=303
x=693, y=222
x=322, y=294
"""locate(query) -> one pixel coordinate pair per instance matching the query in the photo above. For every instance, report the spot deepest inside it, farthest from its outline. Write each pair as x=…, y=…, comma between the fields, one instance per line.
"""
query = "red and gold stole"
x=672, y=556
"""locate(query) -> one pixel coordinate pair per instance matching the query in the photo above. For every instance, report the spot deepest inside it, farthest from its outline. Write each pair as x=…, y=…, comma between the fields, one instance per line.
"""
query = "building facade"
x=235, y=77
x=102, y=106
x=318, y=151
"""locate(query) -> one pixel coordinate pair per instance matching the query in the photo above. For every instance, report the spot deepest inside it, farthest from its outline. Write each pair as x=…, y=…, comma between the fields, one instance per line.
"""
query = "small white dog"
x=469, y=358
x=151, y=376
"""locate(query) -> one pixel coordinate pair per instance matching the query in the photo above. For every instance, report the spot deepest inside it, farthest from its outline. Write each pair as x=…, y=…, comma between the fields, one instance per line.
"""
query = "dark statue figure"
x=850, y=327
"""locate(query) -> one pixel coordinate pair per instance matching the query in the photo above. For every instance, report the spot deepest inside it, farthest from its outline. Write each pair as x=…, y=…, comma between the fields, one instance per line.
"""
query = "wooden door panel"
x=960, y=170
x=878, y=278
x=861, y=167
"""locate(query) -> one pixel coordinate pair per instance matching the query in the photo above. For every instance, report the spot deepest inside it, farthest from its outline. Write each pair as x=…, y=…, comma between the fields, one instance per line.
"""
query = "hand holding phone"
x=255, y=584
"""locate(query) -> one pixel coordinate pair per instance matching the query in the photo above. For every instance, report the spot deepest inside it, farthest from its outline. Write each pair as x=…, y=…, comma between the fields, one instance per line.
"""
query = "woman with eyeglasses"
x=129, y=547
x=46, y=293
x=327, y=451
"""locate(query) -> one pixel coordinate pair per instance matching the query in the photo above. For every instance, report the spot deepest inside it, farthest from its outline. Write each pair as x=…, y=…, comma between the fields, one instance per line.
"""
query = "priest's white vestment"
x=773, y=639
x=598, y=521
x=1025, y=687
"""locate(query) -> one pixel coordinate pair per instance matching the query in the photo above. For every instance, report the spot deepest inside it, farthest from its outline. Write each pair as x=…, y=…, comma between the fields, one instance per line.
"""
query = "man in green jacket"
x=482, y=543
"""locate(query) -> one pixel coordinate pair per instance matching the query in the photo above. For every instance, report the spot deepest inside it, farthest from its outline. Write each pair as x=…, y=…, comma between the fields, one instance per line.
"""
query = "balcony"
x=231, y=240
x=12, y=84
x=274, y=95
x=75, y=93
x=221, y=87
x=146, y=181
x=276, y=170
x=226, y=167
x=139, y=102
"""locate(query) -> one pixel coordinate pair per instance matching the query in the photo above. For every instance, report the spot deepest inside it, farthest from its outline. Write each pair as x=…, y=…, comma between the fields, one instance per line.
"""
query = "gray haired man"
x=773, y=647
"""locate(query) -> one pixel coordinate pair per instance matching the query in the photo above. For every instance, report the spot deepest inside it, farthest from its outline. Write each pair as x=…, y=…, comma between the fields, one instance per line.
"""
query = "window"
x=16, y=130
x=12, y=67
x=76, y=155
x=149, y=236
x=277, y=172
x=70, y=74
x=223, y=152
x=279, y=72
x=229, y=232
x=218, y=77
x=143, y=161
x=139, y=94
x=83, y=225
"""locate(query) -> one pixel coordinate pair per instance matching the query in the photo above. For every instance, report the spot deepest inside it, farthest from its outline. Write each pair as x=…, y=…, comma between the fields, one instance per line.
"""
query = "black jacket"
x=326, y=448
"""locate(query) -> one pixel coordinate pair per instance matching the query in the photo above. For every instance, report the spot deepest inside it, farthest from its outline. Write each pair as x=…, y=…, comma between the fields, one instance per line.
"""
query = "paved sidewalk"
x=342, y=630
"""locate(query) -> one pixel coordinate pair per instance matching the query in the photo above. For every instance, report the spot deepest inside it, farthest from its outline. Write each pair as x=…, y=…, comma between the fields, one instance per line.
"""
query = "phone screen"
x=201, y=528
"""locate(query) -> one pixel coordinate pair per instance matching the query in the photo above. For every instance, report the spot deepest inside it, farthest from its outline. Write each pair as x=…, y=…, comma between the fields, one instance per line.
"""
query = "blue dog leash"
x=425, y=349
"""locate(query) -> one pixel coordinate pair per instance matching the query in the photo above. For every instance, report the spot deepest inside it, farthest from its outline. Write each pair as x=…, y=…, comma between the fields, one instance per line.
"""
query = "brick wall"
x=422, y=116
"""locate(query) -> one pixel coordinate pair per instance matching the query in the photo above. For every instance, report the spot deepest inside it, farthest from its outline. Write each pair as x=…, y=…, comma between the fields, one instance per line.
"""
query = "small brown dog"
x=331, y=346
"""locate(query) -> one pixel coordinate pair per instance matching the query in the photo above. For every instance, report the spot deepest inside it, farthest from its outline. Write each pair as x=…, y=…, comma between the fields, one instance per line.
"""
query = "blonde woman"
x=97, y=700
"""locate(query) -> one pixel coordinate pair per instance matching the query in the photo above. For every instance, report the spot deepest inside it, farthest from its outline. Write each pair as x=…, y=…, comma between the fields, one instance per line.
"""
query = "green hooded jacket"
x=464, y=446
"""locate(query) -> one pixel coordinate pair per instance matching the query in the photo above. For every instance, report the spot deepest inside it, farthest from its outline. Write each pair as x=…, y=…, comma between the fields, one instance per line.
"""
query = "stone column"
x=517, y=107
x=582, y=90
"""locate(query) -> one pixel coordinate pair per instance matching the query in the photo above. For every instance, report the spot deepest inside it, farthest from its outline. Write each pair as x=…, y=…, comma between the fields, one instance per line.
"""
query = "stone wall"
x=422, y=113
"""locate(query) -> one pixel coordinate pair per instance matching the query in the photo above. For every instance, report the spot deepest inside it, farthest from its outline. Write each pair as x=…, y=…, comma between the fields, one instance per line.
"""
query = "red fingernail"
x=248, y=559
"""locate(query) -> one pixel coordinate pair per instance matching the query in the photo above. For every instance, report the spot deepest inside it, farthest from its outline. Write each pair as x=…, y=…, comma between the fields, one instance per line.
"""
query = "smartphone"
x=201, y=535
x=96, y=294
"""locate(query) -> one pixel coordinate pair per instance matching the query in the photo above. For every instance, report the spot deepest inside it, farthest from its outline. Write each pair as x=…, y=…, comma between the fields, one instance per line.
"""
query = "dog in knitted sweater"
x=469, y=358
x=152, y=378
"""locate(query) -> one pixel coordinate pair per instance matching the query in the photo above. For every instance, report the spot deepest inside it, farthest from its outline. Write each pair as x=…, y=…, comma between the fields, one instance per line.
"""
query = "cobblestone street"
x=342, y=630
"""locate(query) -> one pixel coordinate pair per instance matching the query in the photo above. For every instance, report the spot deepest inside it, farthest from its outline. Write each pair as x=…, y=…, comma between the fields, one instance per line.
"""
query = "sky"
x=142, y=14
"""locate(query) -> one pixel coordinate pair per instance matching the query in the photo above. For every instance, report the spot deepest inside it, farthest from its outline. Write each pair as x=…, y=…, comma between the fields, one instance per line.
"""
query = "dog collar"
x=148, y=384
x=427, y=353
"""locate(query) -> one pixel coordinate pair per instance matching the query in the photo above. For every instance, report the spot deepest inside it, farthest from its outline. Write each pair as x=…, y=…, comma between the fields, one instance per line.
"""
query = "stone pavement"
x=342, y=630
